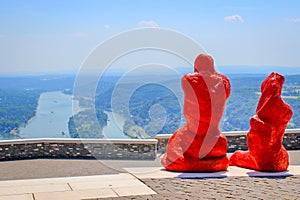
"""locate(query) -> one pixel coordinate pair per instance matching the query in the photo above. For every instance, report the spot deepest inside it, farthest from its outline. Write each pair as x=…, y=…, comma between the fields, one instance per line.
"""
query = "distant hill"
x=150, y=103
x=241, y=106
x=45, y=82
x=249, y=70
x=258, y=70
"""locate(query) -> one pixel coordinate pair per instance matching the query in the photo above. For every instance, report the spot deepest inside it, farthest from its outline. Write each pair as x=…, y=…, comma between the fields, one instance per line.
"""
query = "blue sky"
x=56, y=35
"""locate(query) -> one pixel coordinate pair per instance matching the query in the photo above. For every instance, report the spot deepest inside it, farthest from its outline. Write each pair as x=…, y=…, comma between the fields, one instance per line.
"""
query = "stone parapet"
x=115, y=148
x=237, y=140
x=78, y=148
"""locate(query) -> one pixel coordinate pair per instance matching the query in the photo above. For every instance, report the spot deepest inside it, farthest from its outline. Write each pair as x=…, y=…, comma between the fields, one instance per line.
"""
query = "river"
x=52, y=116
x=114, y=128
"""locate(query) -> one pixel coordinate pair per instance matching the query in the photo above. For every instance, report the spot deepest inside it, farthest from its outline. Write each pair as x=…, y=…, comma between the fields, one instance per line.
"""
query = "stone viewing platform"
x=141, y=182
x=146, y=149
x=49, y=179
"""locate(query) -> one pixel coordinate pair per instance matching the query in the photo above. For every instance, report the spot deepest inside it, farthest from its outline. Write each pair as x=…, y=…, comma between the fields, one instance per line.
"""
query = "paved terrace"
x=91, y=179
x=76, y=179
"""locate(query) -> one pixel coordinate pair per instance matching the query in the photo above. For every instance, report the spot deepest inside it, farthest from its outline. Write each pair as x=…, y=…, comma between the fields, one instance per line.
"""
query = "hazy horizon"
x=181, y=70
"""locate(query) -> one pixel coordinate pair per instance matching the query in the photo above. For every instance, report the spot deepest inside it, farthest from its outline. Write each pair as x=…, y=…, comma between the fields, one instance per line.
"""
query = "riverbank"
x=17, y=132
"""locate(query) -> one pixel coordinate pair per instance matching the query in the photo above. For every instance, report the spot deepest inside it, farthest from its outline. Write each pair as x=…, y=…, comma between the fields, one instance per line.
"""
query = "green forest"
x=143, y=101
x=16, y=108
x=240, y=107
x=152, y=109
x=245, y=93
x=84, y=124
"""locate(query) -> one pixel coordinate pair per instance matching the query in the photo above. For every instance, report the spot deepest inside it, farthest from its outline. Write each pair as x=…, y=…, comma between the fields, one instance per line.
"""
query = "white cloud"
x=296, y=20
x=106, y=26
x=150, y=23
x=233, y=18
x=81, y=35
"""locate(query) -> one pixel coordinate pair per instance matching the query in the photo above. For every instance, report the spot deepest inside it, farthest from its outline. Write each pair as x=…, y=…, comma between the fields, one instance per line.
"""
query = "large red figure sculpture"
x=265, y=150
x=199, y=146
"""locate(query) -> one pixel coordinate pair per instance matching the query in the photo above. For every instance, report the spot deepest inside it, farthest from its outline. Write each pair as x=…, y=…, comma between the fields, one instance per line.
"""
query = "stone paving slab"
x=110, y=177
x=159, y=172
x=17, y=197
x=133, y=190
x=106, y=183
x=9, y=190
x=76, y=195
x=84, y=187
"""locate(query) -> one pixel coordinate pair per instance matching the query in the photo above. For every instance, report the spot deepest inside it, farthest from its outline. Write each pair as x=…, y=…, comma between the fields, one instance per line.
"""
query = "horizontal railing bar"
x=115, y=141
x=78, y=140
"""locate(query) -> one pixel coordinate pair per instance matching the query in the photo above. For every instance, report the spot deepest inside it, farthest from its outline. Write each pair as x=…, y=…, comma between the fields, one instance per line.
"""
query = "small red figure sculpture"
x=265, y=149
x=199, y=146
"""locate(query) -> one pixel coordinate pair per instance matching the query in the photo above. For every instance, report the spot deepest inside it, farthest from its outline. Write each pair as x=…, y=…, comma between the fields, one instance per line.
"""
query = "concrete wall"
x=78, y=148
x=237, y=140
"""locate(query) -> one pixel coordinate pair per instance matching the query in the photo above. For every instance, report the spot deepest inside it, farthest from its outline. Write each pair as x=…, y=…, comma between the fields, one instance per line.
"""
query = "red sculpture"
x=266, y=152
x=199, y=146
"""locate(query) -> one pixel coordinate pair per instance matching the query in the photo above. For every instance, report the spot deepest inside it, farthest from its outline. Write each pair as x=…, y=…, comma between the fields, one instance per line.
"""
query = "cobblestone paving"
x=222, y=188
